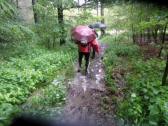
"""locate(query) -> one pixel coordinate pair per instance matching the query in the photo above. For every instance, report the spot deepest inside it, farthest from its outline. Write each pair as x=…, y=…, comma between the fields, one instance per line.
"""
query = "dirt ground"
x=88, y=102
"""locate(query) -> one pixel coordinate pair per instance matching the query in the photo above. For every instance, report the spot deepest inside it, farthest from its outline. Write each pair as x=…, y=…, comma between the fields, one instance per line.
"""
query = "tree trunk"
x=134, y=38
x=148, y=35
x=102, y=12
x=165, y=73
x=61, y=22
x=97, y=8
x=78, y=5
x=36, y=20
x=163, y=40
x=85, y=4
x=115, y=35
x=132, y=25
x=102, y=16
x=17, y=3
x=26, y=11
x=48, y=43
x=155, y=34
x=141, y=37
x=54, y=37
x=133, y=33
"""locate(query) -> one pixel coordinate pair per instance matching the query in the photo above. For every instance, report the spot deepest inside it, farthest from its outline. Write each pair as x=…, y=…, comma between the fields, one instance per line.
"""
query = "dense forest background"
x=36, y=50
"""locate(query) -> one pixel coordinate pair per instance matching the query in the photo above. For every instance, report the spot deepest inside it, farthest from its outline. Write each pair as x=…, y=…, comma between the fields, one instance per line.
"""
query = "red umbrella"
x=83, y=33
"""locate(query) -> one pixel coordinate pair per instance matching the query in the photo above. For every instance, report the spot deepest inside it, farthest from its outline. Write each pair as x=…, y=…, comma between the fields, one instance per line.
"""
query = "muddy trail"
x=88, y=100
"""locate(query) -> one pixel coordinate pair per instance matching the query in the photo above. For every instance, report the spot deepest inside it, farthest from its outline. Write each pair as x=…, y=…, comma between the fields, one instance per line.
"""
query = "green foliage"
x=8, y=11
x=145, y=101
x=65, y=3
x=137, y=17
x=23, y=74
x=19, y=74
x=10, y=33
x=7, y=112
x=145, y=82
x=46, y=100
x=52, y=95
x=111, y=60
x=116, y=17
x=86, y=18
x=48, y=28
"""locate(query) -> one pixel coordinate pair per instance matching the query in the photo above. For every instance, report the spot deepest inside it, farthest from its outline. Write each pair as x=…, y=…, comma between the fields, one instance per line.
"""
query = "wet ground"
x=87, y=100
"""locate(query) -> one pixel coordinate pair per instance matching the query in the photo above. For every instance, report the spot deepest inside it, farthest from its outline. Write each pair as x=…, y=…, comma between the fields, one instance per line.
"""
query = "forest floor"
x=89, y=101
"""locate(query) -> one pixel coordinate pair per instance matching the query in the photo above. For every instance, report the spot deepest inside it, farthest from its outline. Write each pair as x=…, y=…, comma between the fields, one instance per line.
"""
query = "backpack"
x=83, y=43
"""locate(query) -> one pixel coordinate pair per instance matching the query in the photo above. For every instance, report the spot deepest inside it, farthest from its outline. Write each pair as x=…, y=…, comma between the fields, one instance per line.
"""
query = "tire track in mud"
x=88, y=102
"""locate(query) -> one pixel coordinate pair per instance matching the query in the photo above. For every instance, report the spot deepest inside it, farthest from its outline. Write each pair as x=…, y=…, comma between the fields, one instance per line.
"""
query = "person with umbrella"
x=100, y=26
x=91, y=26
x=85, y=38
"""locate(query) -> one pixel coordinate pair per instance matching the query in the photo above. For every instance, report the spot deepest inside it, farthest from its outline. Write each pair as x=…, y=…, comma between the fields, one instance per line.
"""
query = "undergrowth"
x=146, y=101
x=30, y=70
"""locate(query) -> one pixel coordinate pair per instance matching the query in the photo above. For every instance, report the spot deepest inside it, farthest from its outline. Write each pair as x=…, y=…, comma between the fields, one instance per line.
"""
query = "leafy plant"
x=23, y=74
x=145, y=99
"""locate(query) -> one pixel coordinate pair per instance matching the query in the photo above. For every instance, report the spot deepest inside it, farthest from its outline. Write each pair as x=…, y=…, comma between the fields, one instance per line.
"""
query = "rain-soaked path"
x=87, y=100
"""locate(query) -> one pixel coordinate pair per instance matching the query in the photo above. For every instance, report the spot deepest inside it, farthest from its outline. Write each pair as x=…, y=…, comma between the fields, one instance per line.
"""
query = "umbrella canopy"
x=83, y=33
x=98, y=25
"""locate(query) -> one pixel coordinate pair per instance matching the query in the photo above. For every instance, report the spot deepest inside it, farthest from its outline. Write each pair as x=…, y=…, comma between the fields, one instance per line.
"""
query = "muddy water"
x=87, y=97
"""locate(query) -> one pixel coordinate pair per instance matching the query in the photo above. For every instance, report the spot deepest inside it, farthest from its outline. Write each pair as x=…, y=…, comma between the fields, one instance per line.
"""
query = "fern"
x=7, y=10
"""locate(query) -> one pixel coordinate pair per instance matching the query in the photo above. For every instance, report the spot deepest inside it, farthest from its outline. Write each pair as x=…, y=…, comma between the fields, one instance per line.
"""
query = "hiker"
x=99, y=25
x=85, y=38
x=102, y=31
x=84, y=50
x=90, y=26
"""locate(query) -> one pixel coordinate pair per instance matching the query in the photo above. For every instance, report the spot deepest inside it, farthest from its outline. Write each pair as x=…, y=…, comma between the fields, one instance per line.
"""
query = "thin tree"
x=155, y=33
x=78, y=5
x=102, y=11
x=85, y=4
x=165, y=73
x=36, y=20
x=163, y=39
x=97, y=8
x=17, y=3
x=102, y=15
x=61, y=21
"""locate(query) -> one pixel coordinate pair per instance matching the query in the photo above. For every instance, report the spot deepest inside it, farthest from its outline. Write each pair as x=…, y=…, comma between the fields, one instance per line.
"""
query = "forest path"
x=88, y=100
